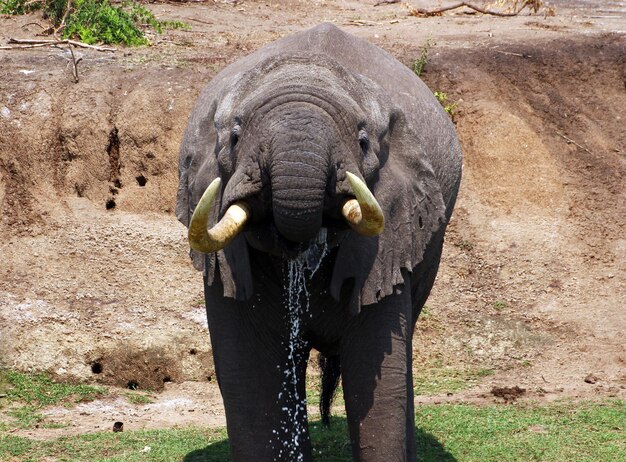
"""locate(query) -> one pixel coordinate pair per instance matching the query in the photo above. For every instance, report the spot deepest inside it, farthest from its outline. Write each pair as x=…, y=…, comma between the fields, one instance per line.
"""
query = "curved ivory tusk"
x=220, y=235
x=363, y=214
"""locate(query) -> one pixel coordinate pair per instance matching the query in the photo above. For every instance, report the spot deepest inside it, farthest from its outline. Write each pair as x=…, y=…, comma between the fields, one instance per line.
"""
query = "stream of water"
x=300, y=270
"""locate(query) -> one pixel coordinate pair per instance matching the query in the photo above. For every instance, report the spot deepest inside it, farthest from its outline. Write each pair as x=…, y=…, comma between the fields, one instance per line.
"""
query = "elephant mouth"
x=262, y=232
x=362, y=213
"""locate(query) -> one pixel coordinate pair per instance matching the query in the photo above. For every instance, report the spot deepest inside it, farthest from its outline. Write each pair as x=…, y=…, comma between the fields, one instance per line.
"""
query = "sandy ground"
x=95, y=283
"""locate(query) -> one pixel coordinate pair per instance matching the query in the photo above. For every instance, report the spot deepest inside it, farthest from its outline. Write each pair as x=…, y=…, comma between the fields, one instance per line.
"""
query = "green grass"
x=39, y=390
x=138, y=398
x=572, y=432
x=25, y=395
x=436, y=379
x=558, y=432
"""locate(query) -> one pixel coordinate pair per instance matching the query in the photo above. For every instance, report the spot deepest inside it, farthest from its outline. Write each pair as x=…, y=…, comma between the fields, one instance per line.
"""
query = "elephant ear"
x=197, y=167
x=412, y=201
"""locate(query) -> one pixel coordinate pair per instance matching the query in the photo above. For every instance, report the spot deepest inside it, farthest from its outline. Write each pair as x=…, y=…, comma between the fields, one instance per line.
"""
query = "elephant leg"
x=411, y=448
x=377, y=383
x=265, y=405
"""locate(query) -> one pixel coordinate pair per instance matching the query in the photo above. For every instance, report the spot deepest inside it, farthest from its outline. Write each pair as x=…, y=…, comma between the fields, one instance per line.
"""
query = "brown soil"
x=95, y=283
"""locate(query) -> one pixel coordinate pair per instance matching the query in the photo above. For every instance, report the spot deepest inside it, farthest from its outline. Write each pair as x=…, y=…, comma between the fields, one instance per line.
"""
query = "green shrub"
x=95, y=21
x=98, y=21
x=17, y=7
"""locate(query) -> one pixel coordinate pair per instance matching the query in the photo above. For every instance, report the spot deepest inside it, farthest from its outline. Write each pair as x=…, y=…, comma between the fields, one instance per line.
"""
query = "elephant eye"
x=364, y=141
x=234, y=135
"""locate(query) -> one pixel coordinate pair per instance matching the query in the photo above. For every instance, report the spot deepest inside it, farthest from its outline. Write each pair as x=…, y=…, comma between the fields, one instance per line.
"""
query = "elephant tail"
x=331, y=371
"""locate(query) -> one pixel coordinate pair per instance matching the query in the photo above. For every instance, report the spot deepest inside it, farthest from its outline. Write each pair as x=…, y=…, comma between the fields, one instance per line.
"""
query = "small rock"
x=591, y=378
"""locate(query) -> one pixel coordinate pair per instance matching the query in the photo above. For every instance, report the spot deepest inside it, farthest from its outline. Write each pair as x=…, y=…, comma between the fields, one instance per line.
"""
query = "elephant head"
x=287, y=141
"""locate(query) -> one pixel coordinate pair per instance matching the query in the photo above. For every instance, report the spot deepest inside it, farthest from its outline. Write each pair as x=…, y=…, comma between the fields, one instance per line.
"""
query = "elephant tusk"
x=220, y=235
x=363, y=214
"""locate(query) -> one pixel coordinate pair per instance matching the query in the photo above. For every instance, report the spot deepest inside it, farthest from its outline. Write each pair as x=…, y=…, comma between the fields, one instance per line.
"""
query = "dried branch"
x=75, y=63
x=29, y=43
x=32, y=24
x=361, y=22
x=535, y=4
x=571, y=141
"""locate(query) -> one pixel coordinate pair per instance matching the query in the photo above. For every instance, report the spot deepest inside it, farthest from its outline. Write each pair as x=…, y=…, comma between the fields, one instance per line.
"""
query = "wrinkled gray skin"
x=281, y=127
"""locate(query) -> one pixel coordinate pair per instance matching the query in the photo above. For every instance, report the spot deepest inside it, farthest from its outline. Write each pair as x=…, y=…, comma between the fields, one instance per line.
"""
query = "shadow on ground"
x=333, y=443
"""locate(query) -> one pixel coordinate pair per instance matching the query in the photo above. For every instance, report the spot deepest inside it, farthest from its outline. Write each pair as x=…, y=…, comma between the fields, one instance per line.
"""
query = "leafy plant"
x=499, y=305
x=18, y=6
x=98, y=21
x=443, y=99
x=93, y=21
x=420, y=63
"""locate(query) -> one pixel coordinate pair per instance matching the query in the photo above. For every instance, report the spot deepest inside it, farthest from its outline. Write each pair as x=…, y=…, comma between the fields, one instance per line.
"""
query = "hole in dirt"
x=141, y=180
x=117, y=183
x=96, y=368
x=193, y=351
x=132, y=385
x=110, y=204
x=167, y=379
x=421, y=222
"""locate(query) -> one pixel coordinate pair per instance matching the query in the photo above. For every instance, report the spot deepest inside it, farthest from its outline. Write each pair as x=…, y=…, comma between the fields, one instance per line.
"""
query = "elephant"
x=317, y=176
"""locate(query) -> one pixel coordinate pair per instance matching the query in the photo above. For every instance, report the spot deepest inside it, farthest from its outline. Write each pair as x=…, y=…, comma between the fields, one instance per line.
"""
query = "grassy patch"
x=582, y=432
x=24, y=395
x=435, y=378
x=138, y=398
x=155, y=445
x=558, y=432
x=39, y=390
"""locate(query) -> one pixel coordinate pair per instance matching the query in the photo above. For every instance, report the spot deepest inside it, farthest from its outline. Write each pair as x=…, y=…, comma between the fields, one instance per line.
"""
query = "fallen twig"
x=510, y=53
x=29, y=43
x=569, y=140
x=200, y=21
x=386, y=2
x=438, y=11
x=36, y=45
x=361, y=22
x=32, y=24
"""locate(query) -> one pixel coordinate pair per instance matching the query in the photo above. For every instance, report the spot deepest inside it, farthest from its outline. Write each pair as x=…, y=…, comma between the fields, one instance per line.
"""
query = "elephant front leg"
x=262, y=381
x=377, y=382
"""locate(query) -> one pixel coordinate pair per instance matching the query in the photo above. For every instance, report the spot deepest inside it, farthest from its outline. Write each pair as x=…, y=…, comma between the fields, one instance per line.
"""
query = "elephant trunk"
x=299, y=178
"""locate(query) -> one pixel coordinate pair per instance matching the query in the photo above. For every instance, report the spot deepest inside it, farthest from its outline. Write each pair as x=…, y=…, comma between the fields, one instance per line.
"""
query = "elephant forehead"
x=327, y=82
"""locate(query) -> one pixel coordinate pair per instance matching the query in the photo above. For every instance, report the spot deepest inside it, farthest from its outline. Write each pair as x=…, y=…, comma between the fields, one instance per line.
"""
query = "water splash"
x=299, y=271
